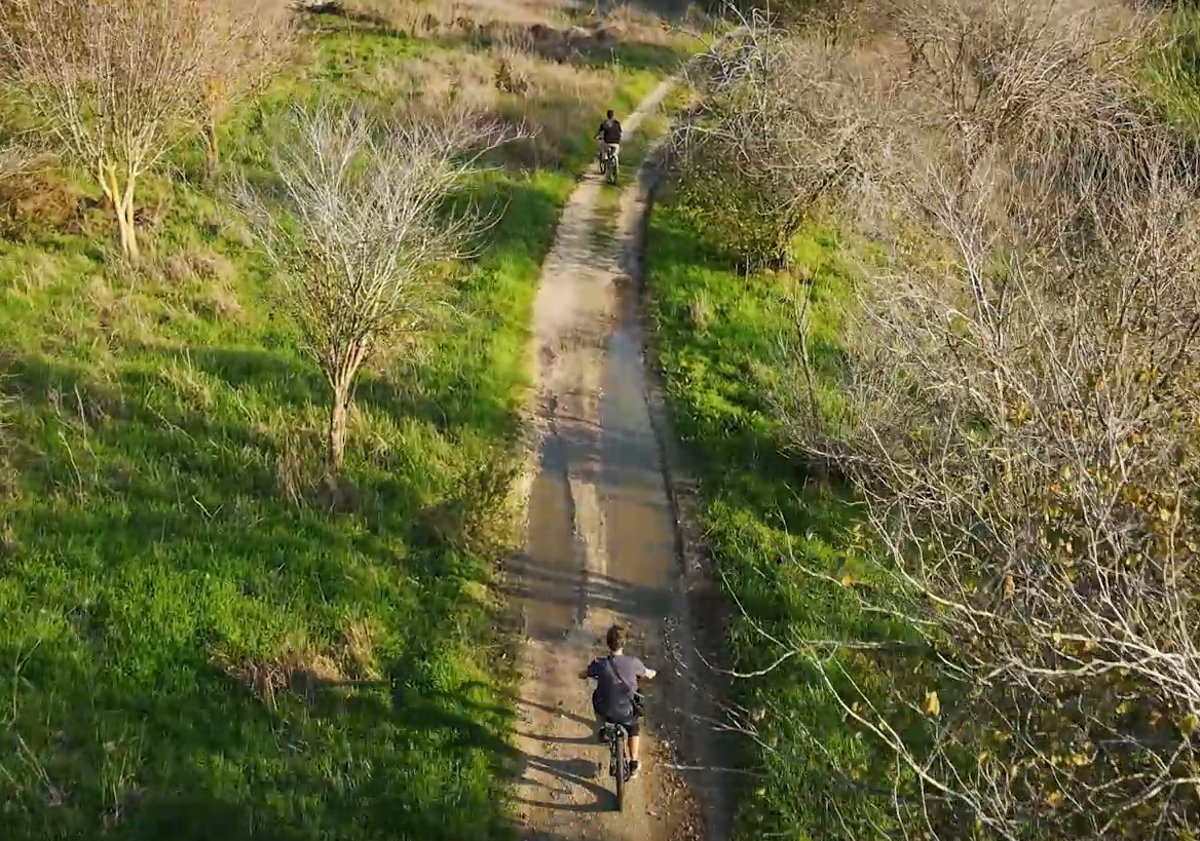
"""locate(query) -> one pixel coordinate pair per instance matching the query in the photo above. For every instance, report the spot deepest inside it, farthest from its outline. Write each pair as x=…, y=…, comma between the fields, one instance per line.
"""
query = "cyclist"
x=616, y=678
x=609, y=135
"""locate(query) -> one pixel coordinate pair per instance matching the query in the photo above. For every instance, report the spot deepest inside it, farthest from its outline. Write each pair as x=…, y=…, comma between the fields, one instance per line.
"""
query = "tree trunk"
x=337, y=427
x=129, y=240
x=212, y=149
x=122, y=205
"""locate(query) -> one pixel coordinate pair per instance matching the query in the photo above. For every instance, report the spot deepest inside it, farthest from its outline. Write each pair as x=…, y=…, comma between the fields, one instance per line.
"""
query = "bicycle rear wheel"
x=622, y=763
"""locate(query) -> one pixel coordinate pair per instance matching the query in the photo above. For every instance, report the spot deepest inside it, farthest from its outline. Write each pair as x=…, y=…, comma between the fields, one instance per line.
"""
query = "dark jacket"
x=610, y=130
x=616, y=682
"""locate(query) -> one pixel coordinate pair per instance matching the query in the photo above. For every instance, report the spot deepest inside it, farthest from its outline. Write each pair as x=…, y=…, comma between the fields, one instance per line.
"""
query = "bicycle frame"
x=608, y=162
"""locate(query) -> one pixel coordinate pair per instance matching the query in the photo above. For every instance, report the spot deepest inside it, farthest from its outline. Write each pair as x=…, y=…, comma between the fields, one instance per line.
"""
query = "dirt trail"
x=601, y=544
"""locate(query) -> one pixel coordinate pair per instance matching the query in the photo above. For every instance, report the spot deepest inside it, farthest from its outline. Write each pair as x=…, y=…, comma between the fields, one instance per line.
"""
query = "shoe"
x=634, y=767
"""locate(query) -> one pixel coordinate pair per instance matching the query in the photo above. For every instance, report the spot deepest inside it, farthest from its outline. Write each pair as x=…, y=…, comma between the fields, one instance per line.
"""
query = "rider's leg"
x=635, y=739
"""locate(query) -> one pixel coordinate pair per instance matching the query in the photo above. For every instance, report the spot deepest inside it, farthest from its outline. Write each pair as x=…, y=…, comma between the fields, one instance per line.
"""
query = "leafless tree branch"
x=1019, y=413
x=359, y=227
x=116, y=84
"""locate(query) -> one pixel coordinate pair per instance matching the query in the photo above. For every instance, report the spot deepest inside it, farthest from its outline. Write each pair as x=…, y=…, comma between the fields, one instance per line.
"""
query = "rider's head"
x=616, y=637
x=610, y=114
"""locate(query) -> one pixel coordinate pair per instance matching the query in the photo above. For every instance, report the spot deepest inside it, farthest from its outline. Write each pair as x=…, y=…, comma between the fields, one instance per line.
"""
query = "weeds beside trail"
x=989, y=447
x=199, y=638
x=718, y=333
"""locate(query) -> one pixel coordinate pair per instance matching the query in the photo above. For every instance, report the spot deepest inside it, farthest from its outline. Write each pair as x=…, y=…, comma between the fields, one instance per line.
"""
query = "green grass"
x=1172, y=76
x=158, y=427
x=717, y=337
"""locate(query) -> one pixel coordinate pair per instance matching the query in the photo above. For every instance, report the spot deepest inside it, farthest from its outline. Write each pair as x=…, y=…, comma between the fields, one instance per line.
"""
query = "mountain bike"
x=616, y=737
x=608, y=164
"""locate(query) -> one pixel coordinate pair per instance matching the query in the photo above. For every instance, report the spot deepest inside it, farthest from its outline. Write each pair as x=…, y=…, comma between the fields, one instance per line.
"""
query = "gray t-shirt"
x=613, y=697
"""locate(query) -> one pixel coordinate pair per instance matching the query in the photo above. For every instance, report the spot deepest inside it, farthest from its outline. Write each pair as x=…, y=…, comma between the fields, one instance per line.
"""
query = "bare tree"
x=1019, y=431
x=116, y=83
x=1019, y=408
x=258, y=36
x=358, y=229
x=779, y=128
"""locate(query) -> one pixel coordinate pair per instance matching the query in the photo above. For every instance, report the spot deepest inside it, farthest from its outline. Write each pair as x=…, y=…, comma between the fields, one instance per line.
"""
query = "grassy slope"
x=717, y=336
x=150, y=554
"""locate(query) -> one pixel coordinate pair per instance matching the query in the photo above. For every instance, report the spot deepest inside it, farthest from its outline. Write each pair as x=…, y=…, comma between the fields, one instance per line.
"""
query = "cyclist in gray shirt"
x=616, y=677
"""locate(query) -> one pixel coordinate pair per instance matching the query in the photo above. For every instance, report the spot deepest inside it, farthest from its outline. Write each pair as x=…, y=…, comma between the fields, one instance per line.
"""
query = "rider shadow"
x=570, y=776
x=578, y=772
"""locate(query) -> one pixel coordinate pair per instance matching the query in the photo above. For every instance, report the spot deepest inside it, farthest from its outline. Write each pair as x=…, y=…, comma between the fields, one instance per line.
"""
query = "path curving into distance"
x=602, y=544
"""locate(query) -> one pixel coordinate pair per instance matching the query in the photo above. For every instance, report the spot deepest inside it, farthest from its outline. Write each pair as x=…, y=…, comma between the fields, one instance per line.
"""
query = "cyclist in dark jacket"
x=609, y=135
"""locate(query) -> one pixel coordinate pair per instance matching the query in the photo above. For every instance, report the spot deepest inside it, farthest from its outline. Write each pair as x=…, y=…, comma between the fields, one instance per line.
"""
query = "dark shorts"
x=630, y=723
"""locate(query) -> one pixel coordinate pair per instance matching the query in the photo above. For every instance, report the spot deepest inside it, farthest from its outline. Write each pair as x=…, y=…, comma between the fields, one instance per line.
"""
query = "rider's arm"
x=645, y=671
x=591, y=671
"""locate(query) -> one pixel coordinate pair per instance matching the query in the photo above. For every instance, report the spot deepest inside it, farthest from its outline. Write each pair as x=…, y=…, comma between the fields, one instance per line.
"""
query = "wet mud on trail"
x=603, y=545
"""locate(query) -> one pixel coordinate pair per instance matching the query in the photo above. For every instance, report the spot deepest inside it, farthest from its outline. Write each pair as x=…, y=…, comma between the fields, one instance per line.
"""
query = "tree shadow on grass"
x=148, y=533
x=200, y=816
x=474, y=718
x=182, y=472
x=172, y=530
